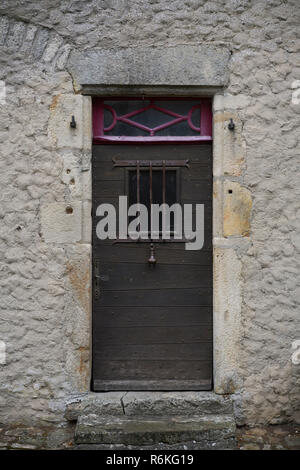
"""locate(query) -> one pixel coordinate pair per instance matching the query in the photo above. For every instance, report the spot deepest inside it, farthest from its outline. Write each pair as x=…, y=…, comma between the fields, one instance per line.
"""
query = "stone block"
x=63, y=57
x=99, y=404
x=76, y=173
x=79, y=275
x=4, y=26
x=175, y=65
x=15, y=36
x=233, y=102
x=60, y=133
x=227, y=319
x=52, y=49
x=234, y=146
x=206, y=431
x=237, y=209
x=87, y=222
x=175, y=404
x=29, y=37
x=39, y=43
x=61, y=222
x=229, y=146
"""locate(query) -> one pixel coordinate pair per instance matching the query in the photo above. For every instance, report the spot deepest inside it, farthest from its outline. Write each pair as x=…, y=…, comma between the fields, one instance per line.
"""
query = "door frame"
x=227, y=267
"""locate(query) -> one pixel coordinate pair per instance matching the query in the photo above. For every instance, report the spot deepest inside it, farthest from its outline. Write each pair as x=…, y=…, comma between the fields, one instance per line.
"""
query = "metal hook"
x=231, y=125
x=73, y=123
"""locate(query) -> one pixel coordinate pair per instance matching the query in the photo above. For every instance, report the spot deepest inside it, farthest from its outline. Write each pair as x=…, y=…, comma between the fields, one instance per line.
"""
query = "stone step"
x=144, y=404
x=175, y=404
x=201, y=432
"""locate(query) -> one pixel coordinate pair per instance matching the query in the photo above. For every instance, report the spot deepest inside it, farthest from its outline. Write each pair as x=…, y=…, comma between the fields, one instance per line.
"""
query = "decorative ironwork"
x=152, y=130
x=101, y=133
x=147, y=163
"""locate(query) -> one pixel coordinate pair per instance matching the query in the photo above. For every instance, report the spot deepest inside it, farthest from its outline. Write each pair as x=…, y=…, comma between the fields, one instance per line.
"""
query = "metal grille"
x=158, y=181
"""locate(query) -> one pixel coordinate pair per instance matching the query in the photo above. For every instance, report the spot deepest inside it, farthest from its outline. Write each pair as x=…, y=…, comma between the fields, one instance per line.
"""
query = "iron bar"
x=148, y=163
x=164, y=182
x=137, y=181
x=153, y=240
x=150, y=184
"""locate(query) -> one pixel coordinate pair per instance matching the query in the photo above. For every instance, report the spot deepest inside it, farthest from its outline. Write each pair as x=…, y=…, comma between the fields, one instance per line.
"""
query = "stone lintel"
x=182, y=65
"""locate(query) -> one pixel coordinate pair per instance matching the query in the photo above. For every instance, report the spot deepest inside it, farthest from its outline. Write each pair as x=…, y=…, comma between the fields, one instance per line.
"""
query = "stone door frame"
x=199, y=72
x=227, y=266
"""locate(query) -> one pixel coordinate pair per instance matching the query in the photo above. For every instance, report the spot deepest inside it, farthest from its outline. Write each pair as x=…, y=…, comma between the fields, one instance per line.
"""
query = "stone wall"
x=44, y=253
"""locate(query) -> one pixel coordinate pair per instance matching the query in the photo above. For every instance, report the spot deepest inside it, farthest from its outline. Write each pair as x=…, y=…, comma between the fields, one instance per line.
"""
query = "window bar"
x=150, y=183
x=164, y=182
x=150, y=193
x=164, y=190
x=137, y=181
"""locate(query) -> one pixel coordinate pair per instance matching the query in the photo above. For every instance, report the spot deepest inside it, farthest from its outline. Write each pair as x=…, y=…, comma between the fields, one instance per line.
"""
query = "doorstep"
x=162, y=420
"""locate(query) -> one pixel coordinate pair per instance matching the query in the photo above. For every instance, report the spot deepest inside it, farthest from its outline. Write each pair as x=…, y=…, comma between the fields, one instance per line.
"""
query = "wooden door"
x=152, y=326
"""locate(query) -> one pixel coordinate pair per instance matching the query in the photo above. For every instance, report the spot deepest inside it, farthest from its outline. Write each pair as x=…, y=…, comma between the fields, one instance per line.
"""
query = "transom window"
x=152, y=119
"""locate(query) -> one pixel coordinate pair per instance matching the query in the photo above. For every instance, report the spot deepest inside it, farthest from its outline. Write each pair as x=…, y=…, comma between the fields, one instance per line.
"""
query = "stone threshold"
x=148, y=404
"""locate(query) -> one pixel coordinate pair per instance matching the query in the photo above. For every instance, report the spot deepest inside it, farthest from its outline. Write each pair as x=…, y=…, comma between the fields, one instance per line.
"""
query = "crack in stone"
x=122, y=403
x=76, y=92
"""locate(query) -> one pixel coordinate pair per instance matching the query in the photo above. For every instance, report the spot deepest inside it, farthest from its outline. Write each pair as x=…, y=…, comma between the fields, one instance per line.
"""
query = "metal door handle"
x=152, y=260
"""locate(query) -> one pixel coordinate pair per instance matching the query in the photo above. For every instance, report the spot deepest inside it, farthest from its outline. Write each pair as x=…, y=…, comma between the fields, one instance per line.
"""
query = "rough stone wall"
x=44, y=281
x=44, y=285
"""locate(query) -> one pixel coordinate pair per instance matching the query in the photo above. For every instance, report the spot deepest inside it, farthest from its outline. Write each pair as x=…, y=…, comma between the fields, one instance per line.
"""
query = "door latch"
x=96, y=280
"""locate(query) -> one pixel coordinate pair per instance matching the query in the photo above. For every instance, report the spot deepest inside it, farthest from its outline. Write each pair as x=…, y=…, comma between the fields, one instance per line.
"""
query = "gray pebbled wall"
x=44, y=285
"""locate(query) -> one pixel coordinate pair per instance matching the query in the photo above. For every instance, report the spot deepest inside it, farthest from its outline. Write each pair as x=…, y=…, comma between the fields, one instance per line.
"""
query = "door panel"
x=152, y=326
x=125, y=317
x=167, y=276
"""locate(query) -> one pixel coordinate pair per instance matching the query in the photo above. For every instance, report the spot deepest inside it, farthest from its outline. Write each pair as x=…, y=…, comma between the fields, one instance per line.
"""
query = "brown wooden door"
x=152, y=326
